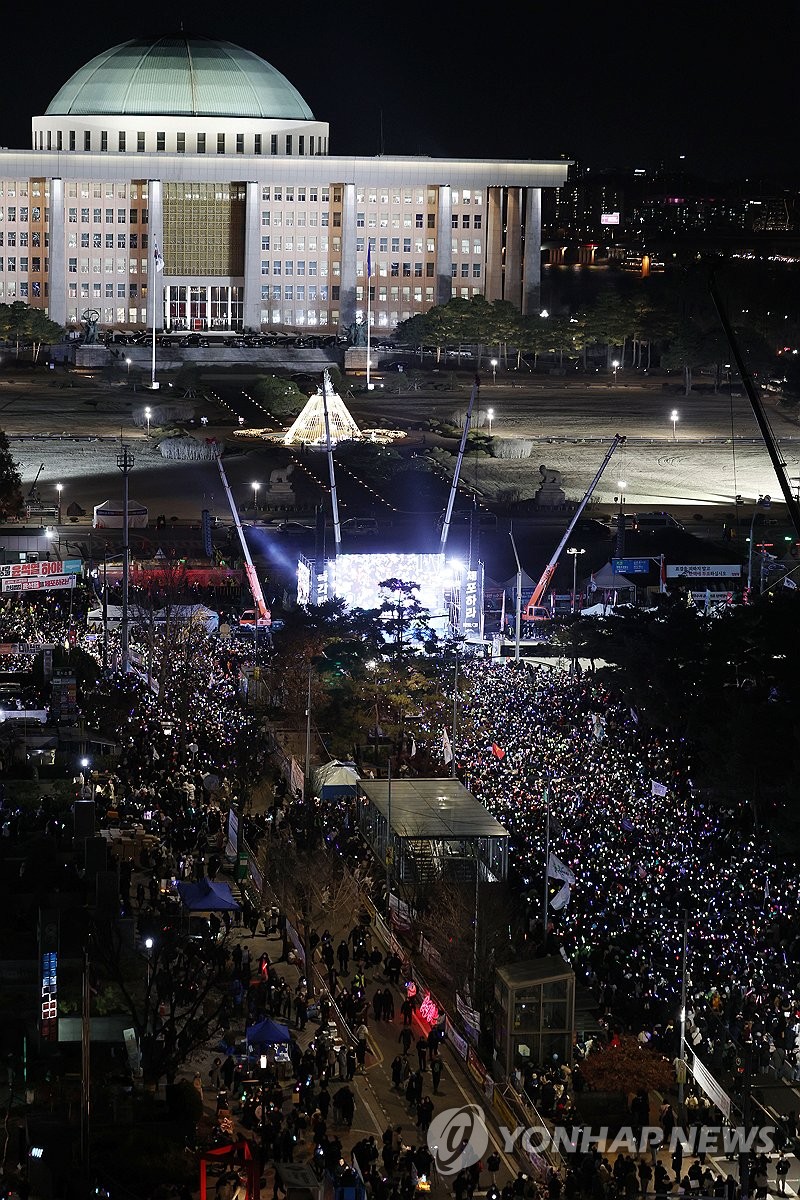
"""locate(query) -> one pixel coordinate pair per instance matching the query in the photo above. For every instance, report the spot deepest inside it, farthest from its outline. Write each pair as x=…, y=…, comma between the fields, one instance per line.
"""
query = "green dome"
x=179, y=76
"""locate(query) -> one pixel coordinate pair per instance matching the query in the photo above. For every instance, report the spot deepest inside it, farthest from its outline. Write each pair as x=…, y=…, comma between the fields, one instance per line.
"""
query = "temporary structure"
x=207, y=896
x=109, y=515
x=309, y=428
x=335, y=779
x=267, y=1033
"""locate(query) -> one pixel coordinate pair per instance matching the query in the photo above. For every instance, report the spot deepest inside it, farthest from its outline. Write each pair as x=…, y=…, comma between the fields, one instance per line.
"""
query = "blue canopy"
x=207, y=896
x=267, y=1033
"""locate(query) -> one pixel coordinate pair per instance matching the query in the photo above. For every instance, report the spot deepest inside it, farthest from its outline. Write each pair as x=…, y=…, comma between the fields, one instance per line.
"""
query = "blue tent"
x=207, y=896
x=267, y=1033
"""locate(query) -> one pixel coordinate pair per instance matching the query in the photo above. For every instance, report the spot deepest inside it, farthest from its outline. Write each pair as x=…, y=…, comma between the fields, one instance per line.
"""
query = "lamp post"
x=490, y=417
x=762, y=503
x=148, y=945
x=256, y=486
x=673, y=416
x=621, y=484
x=615, y=365
x=59, y=489
x=493, y=365
x=575, y=552
x=148, y=412
x=128, y=365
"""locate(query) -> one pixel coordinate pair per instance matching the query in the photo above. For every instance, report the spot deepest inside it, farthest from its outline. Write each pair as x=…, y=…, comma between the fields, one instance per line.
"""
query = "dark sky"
x=617, y=84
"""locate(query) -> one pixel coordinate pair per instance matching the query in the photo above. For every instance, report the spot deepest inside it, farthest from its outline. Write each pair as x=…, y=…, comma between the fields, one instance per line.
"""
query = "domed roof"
x=179, y=76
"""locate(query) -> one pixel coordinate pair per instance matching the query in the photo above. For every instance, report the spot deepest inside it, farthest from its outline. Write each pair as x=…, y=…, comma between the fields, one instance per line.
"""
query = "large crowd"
x=648, y=853
x=560, y=762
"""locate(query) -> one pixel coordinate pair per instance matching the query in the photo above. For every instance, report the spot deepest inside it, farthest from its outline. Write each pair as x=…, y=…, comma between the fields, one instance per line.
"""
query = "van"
x=361, y=526
x=657, y=520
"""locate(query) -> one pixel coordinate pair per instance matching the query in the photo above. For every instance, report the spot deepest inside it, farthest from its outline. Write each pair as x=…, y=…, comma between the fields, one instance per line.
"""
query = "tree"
x=405, y=619
x=177, y=1003
x=10, y=481
x=41, y=330
x=625, y=1066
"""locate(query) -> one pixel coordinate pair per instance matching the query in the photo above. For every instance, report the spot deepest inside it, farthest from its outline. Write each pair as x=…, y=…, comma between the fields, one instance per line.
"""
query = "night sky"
x=613, y=85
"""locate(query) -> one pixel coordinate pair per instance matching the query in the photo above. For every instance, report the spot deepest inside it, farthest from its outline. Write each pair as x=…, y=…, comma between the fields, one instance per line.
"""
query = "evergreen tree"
x=10, y=482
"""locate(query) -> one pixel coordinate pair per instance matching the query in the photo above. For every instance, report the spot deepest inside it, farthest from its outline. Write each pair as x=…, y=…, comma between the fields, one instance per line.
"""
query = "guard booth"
x=534, y=1013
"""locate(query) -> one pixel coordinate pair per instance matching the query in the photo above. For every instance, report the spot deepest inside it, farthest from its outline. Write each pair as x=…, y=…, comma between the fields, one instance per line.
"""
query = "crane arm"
x=262, y=612
x=550, y=569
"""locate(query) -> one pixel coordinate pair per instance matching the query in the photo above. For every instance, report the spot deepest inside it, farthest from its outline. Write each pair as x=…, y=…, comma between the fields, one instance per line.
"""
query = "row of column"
x=512, y=267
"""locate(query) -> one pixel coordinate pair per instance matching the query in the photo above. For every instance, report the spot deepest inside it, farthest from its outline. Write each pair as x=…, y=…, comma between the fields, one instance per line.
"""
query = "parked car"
x=236, y=340
x=361, y=526
x=194, y=339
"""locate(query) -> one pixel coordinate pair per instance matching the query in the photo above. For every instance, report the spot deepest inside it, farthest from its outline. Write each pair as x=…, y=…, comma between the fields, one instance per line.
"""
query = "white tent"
x=181, y=614
x=335, y=779
x=109, y=515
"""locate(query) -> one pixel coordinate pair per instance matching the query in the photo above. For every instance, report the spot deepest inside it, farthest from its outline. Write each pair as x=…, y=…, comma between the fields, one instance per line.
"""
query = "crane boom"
x=550, y=569
x=261, y=611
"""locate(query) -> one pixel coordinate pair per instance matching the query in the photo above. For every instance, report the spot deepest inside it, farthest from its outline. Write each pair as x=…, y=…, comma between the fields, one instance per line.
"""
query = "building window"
x=220, y=143
x=140, y=143
x=431, y=220
x=240, y=143
x=87, y=139
x=288, y=143
x=265, y=243
x=201, y=143
x=161, y=141
x=273, y=143
x=257, y=143
x=476, y=270
x=103, y=140
x=121, y=139
x=477, y=221
x=180, y=143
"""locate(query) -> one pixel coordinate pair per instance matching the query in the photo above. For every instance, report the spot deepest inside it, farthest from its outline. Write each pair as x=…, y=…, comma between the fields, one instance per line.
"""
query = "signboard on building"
x=609, y=218
x=705, y=571
x=472, y=601
x=630, y=566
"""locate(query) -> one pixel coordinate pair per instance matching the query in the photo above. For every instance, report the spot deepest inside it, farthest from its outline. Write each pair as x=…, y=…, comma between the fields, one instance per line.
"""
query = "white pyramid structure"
x=310, y=425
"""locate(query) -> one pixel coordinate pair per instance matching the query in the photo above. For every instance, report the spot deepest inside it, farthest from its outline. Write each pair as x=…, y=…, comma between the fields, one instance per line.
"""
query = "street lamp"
x=148, y=945
x=493, y=365
x=762, y=503
x=490, y=416
x=256, y=486
x=673, y=416
x=59, y=489
x=128, y=365
x=148, y=412
x=621, y=484
x=575, y=552
x=615, y=365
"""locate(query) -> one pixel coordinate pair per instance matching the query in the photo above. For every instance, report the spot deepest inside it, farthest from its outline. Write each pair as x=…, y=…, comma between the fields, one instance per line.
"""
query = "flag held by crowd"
x=447, y=749
x=497, y=751
x=658, y=789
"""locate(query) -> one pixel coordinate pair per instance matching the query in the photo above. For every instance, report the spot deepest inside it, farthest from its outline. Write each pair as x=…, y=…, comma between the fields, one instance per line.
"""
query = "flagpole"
x=369, y=308
x=455, y=718
x=546, y=858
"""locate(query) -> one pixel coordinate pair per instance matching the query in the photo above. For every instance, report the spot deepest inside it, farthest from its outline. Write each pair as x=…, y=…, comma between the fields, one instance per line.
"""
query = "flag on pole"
x=662, y=576
x=592, y=584
x=413, y=748
x=369, y=259
x=447, y=749
x=789, y=583
x=658, y=789
x=558, y=870
x=158, y=261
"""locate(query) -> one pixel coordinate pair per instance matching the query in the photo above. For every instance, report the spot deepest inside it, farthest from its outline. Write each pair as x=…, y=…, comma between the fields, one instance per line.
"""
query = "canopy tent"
x=267, y=1033
x=109, y=515
x=207, y=896
x=606, y=577
x=335, y=779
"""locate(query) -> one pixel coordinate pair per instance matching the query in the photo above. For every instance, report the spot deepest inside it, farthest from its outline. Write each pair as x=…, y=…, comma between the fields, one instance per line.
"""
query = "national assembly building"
x=181, y=183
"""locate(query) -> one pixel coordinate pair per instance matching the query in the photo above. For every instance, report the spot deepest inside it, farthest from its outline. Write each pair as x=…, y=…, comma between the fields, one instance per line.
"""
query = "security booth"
x=534, y=1013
